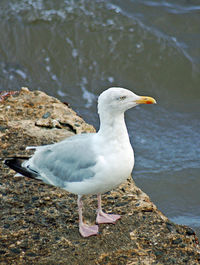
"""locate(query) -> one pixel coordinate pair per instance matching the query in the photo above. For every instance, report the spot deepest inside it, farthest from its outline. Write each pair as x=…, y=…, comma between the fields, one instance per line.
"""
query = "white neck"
x=113, y=126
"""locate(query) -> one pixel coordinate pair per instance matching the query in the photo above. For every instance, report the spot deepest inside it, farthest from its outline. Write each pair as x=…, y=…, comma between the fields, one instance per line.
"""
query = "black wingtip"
x=15, y=163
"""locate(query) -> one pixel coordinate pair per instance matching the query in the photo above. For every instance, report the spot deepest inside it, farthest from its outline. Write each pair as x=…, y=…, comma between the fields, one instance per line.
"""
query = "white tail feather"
x=31, y=147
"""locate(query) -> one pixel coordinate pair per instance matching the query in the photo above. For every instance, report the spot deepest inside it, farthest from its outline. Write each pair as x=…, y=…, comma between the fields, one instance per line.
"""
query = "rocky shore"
x=39, y=223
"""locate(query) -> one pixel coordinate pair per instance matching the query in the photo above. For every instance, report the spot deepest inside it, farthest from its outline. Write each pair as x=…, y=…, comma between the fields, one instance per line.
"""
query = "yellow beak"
x=146, y=100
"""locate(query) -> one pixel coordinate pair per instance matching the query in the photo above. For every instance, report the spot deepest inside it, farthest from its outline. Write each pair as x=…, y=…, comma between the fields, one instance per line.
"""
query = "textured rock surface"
x=39, y=223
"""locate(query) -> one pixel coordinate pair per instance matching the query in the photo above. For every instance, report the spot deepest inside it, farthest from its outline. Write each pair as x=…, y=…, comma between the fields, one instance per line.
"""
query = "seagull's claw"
x=88, y=230
x=104, y=218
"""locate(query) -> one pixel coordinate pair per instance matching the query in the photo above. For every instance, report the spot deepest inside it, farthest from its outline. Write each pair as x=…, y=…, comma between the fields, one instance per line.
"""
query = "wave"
x=110, y=42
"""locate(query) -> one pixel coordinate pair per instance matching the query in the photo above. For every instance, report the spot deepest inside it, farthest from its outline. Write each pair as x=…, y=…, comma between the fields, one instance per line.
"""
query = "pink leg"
x=104, y=218
x=84, y=229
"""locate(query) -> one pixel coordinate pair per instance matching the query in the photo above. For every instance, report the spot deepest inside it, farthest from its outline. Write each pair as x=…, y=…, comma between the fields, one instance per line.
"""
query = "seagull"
x=89, y=163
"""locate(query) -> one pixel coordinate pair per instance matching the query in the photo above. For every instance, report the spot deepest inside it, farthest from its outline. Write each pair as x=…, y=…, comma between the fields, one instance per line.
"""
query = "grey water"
x=74, y=49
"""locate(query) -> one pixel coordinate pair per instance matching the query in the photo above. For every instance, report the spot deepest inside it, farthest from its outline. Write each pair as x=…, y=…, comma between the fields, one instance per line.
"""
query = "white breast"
x=117, y=167
x=114, y=165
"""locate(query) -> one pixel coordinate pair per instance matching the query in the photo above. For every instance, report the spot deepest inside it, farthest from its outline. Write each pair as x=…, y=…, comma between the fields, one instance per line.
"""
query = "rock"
x=39, y=223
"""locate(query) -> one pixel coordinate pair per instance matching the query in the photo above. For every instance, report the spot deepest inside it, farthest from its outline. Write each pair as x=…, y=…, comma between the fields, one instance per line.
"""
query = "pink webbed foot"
x=88, y=230
x=104, y=218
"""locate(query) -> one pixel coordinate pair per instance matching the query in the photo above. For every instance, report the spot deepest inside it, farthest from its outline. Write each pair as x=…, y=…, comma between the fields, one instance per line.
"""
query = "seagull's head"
x=118, y=100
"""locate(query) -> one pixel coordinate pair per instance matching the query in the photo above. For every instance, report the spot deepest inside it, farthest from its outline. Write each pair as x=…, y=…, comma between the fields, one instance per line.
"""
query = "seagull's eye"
x=122, y=97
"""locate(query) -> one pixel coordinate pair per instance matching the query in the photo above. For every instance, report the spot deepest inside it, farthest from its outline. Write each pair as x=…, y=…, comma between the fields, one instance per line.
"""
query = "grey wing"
x=71, y=160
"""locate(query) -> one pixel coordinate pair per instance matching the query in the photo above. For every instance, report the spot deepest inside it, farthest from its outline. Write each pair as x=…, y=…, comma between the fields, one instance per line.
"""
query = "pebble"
x=35, y=198
x=2, y=128
x=6, y=225
x=15, y=250
x=5, y=152
x=46, y=115
x=119, y=204
x=31, y=254
x=190, y=231
x=177, y=241
x=158, y=253
x=36, y=237
x=169, y=227
x=25, y=89
x=76, y=124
